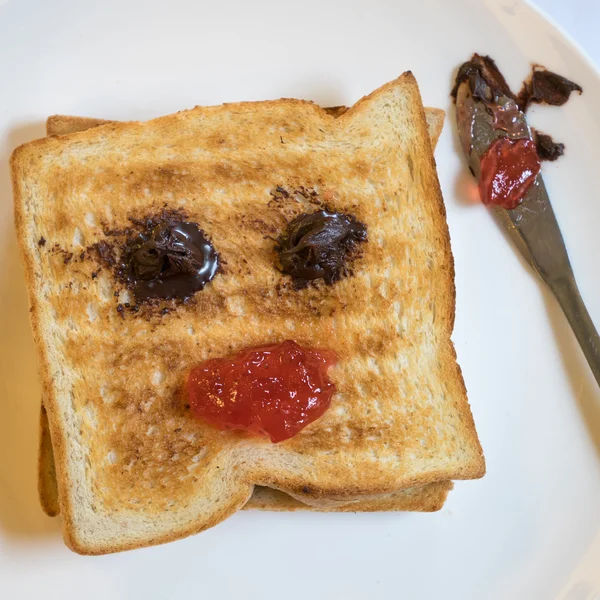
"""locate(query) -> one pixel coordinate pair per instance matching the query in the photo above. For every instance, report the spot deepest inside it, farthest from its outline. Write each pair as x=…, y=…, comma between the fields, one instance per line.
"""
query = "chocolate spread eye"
x=174, y=259
x=318, y=246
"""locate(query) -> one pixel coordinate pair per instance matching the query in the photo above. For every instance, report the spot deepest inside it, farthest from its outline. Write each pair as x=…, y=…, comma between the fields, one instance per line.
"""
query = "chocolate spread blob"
x=318, y=246
x=546, y=87
x=171, y=259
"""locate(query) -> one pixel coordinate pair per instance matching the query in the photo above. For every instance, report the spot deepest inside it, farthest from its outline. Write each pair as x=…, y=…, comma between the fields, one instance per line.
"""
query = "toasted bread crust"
x=428, y=498
x=64, y=124
x=47, y=487
x=452, y=370
x=466, y=459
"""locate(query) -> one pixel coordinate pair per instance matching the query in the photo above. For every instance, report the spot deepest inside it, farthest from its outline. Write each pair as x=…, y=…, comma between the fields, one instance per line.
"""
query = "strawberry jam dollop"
x=508, y=169
x=273, y=391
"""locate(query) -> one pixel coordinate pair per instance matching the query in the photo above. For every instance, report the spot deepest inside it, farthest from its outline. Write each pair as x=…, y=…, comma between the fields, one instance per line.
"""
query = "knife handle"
x=566, y=292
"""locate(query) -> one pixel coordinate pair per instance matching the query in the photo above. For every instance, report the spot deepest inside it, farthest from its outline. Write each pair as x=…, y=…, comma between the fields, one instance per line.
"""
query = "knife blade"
x=532, y=225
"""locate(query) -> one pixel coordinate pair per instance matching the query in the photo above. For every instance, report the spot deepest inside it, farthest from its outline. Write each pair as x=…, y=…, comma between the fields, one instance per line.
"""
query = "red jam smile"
x=508, y=169
x=273, y=391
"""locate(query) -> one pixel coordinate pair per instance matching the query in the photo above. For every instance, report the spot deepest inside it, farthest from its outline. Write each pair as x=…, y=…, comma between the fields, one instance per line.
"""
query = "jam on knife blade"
x=494, y=134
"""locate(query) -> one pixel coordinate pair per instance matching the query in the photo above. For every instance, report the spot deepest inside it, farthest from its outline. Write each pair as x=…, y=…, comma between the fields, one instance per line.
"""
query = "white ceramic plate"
x=530, y=528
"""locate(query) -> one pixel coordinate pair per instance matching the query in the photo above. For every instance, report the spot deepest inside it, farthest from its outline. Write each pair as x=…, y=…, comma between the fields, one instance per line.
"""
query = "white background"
x=530, y=529
x=580, y=18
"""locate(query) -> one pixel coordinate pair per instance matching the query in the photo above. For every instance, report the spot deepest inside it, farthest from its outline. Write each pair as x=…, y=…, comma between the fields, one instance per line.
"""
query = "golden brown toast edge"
x=430, y=497
x=426, y=498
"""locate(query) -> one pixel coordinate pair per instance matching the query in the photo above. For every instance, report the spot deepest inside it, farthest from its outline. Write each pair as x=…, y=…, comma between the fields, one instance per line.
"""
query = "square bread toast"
x=133, y=467
x=428, y=498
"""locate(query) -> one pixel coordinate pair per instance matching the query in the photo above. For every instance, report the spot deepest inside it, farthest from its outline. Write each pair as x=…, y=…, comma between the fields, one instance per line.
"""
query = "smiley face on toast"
x=128, y=450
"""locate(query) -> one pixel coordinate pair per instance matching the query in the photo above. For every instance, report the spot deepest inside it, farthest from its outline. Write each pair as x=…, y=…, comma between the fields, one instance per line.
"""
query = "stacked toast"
x=121, y=456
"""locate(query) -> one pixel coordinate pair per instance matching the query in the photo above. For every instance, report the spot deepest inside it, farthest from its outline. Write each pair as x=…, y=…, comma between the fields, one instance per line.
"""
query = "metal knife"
x=531, y=225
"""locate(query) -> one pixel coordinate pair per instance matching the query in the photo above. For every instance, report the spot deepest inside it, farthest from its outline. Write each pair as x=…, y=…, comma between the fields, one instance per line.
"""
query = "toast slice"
x=425, y=498
x=133, y=467
x=432, y=496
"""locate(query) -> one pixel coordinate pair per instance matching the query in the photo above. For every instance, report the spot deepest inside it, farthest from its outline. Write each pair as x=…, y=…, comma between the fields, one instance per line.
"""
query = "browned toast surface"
x=432, y=496
x=116, y=413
